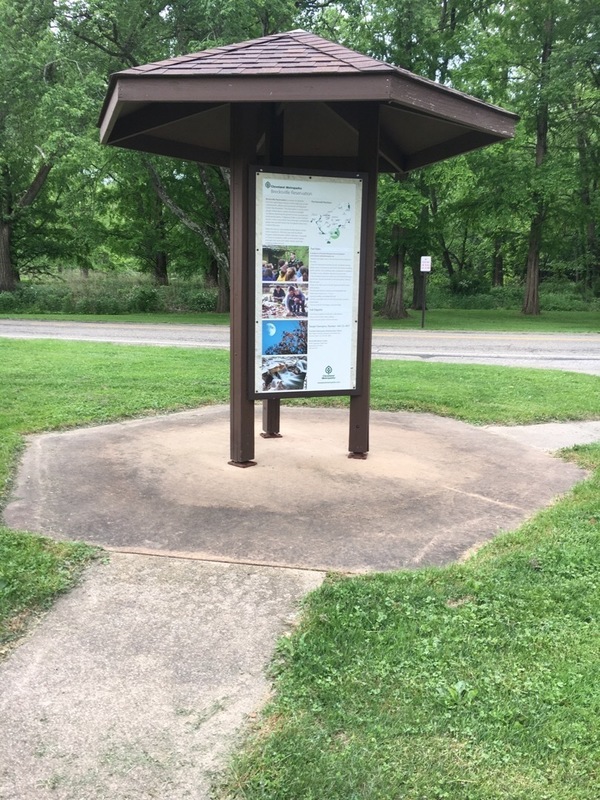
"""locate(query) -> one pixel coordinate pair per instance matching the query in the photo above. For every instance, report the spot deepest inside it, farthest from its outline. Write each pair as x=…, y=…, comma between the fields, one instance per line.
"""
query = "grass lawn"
x=33, y=571
x=147, y=318
x=435, y=319
x=498, y=320
x=479, y=681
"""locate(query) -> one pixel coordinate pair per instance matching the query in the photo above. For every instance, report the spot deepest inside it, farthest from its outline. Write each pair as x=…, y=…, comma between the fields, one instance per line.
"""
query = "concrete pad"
x=551, y=436
x=430, y=490
x=135, y=684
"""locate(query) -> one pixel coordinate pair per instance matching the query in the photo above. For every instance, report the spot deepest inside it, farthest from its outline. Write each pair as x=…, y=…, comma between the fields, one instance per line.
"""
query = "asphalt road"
x=578, y=352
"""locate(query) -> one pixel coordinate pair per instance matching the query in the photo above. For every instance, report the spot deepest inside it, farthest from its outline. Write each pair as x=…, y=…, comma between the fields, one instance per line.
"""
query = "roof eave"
x=398, y=88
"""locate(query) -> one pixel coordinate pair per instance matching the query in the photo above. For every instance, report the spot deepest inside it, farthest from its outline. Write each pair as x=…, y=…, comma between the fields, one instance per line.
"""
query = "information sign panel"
x=307, y=279
x=425, y=263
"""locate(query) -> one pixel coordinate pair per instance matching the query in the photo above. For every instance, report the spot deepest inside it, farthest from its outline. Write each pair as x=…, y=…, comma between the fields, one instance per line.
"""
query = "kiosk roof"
x=180, y=106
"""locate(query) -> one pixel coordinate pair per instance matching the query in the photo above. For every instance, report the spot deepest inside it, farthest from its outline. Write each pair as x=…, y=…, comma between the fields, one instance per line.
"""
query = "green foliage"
x=479, y=208
x=108, y=294
x=144, y=298
x=49, y=102
x=555, y=296
x=98, y=209
x=485, y=395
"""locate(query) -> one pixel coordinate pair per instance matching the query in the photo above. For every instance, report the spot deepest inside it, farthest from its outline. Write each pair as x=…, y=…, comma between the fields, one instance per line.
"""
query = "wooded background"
x=515, y=214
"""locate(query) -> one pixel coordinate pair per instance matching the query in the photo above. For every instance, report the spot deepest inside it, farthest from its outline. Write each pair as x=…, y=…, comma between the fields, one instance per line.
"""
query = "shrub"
x=122, y=293
x=144, y=298
x=8, y=302
x=202, y=300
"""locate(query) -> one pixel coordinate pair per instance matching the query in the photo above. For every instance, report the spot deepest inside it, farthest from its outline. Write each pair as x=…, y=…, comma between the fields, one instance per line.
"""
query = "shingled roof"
x=180, y=106
x=292, y=53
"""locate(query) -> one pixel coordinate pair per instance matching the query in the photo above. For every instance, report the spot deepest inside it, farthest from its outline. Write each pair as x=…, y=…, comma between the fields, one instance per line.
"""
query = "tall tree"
x=546, y=29
x=45, y=98
x=399, y=210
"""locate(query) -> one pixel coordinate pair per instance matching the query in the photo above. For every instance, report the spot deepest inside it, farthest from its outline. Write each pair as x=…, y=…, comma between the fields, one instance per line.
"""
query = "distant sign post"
x=425, y=270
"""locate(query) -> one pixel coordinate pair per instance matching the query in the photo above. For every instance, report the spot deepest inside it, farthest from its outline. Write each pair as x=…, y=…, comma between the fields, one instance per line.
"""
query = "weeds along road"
x=577, y=352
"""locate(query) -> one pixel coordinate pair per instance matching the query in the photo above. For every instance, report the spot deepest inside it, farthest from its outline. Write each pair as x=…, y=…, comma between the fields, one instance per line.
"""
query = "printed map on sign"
x=331, y=223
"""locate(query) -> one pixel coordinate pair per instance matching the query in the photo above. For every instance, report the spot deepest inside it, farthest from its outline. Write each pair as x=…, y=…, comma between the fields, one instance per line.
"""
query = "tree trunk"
x=393, y=307
x=223, y=296
x=204, y=231
x=592, y=270
x=531, y=302
x=417, y=298
x=498, y=264
x=446, y=255
x=418, y=295
x=159, y=257
x=161, y=276
x=447, y=260
x=9, y=211
x=591, y=248
x=8, y=278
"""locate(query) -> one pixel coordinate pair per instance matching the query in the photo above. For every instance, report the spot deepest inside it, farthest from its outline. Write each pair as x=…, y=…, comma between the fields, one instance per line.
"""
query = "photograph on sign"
x=307, y=282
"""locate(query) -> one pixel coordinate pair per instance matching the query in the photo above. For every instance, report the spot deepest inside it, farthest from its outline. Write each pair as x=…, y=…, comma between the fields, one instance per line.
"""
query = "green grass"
x=33, y=571
x=146, y=318
x=479, y=394
x=435, y=319
x=478, y=681
x=484, y=394
x=498, y=320
x=50, y=385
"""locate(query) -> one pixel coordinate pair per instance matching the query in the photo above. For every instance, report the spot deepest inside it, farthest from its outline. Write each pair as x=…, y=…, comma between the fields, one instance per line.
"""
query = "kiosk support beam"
x=244, y=132
x=271, y=416
x=368, y=153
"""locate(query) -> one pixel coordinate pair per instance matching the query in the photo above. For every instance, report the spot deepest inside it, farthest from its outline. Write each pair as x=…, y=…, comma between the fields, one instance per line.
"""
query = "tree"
x=45, y=98
x=523, y=211
x=120, y=35
x=399, y=236
x=210, y=218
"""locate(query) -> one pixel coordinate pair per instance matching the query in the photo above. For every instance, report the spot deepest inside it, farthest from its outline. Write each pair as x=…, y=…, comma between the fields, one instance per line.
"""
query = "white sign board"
x=425, y=263
x=307, y=271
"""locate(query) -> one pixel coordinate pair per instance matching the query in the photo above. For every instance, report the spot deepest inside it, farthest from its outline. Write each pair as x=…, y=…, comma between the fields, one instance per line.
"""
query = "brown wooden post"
x=244, y=124
x=271, y=416
x=368, y=156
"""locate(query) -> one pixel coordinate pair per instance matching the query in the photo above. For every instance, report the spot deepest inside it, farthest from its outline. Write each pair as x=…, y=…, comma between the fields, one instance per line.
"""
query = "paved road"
x=578, y=352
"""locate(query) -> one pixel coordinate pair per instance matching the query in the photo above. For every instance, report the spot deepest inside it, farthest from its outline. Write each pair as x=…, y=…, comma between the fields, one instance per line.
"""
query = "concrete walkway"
x=136, y=683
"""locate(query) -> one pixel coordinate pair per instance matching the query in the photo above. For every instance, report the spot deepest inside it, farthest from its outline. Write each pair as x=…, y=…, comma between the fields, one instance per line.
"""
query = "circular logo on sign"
x=268, y=184
x=328, y=370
